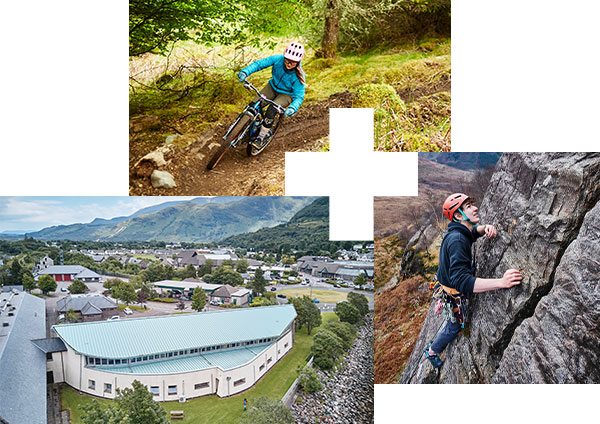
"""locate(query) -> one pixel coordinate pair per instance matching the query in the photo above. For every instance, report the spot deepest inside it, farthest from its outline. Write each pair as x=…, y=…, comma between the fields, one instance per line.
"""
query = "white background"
x=525, y=78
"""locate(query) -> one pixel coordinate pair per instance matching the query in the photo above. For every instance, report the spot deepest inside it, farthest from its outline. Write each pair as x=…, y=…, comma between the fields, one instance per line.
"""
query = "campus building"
x=176, y=356
x=22, y=363
x=70, y=273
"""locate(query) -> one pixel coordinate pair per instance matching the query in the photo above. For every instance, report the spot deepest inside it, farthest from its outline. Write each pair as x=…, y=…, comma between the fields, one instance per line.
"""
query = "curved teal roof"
x=226, y=359
x=126, y=338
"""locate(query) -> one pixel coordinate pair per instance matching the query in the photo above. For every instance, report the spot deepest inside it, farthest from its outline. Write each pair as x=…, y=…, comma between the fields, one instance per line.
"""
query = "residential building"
x=91, y=307
x=69, y=273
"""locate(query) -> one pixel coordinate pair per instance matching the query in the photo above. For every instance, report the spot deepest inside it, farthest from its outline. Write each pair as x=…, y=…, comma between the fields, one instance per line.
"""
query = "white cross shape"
x=351, y=173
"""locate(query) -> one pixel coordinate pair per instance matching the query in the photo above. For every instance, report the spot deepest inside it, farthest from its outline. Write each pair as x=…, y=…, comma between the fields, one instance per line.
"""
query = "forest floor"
x=185, y=99
x=237, y=174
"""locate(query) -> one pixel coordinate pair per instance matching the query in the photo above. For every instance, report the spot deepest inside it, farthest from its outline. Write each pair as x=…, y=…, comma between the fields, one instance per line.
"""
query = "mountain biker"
x=455, y=271
x=286, y=87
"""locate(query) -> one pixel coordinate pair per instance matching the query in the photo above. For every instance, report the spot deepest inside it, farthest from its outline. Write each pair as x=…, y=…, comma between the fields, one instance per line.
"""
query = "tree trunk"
x=332, y=26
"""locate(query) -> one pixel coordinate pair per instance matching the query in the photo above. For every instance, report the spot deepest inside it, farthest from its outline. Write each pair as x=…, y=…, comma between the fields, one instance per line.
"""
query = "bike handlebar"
x=248, y=85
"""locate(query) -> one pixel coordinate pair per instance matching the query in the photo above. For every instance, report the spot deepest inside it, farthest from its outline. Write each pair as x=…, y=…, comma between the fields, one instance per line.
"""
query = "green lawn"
x=132, y=307
x=213, y=409
x=327, y=296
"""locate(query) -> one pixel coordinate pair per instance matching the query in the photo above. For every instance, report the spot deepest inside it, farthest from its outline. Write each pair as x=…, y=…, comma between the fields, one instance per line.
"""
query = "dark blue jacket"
x=284, y=81
x=456, y=263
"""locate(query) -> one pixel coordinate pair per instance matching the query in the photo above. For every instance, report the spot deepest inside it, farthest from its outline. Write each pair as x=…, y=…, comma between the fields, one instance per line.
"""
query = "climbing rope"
x=409, y=375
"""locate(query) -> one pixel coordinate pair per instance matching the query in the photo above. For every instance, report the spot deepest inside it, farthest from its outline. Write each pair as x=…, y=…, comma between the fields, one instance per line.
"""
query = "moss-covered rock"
x=377, y=95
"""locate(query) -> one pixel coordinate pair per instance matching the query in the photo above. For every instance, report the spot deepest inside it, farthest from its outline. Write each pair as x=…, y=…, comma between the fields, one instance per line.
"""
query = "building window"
x=49, y=357
x=172, y=390
x=154, y=390
x=104, y=361
x=111, y=362
x=269, y=360
x=285, y=345
x=201, y=385
x=107, y=388
x=262, y=367
x=92, y=384
x=239, y=382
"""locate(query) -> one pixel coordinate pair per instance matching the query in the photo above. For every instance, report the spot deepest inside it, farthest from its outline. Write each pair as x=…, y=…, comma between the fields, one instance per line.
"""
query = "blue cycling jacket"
x=456, y=265
x=284, y=81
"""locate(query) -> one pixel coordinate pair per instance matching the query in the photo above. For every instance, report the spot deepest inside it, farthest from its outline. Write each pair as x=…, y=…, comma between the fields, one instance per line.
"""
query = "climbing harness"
x=453, y=304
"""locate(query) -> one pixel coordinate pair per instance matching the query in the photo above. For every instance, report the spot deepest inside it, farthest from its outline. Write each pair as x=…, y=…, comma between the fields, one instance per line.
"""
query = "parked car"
x=214, y=303
x=282, y=296
x=114, y=318
x=63, y=289
x=128, y=311
x=273, y=288
x=316, y=301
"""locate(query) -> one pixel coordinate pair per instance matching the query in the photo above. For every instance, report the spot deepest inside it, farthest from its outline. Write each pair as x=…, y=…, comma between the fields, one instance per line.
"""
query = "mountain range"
x=196, y=220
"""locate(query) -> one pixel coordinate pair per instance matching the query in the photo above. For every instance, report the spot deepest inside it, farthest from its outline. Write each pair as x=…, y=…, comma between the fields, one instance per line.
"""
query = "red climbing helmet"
x=294, y=51
x=452, y=203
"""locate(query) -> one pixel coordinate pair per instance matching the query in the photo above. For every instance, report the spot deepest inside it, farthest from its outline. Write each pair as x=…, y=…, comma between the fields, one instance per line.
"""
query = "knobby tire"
x=235, y=132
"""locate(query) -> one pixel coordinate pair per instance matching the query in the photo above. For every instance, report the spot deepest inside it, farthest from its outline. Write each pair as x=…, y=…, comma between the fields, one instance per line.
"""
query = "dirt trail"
x=237, y=174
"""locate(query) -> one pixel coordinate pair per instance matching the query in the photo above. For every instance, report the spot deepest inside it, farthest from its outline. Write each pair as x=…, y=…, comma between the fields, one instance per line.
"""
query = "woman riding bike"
x=286, y=87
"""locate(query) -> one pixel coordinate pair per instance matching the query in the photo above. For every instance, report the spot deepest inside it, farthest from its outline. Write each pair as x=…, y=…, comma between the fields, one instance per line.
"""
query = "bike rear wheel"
x=252, y=150
x=240, y=127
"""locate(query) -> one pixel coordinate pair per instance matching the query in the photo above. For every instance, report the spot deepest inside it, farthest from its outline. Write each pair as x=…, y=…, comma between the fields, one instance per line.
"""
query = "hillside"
x=404, y=215
x=308, y=229
x=187, y=221
x=544, y=330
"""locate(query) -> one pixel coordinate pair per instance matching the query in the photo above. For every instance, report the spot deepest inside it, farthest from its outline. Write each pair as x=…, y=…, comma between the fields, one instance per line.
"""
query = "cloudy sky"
x=35, y=213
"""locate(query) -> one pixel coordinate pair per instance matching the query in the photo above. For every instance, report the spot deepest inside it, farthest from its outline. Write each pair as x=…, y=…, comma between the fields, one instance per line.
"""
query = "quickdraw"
x=453, y=305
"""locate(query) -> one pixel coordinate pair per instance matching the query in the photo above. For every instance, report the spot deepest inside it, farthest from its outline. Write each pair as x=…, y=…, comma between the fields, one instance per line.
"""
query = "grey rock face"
x=560, y=343
x=347, y=395
x=542, y=330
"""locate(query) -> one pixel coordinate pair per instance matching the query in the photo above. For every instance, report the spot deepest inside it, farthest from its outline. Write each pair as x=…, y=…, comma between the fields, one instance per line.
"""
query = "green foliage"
x=78, y=287
x=132, y=406
x=265, y=410
x=241, y=266
x=344, y=330
x=158, y=272
x=28, y=282
x=359, y=301
x=222, y=275
x=265, y=300
x=71, y=315
x=309, y=380
x=187, y=272
x=198, y=299
x=47, y=284
x=154, y=25
x=308, y=313
x=124, y=292
x=326, y=348
x=205, y=268
x=347, y=312
x=258, y=283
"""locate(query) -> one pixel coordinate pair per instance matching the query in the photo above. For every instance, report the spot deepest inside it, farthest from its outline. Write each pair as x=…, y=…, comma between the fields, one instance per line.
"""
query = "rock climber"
x=286, y=88
x=455, y=272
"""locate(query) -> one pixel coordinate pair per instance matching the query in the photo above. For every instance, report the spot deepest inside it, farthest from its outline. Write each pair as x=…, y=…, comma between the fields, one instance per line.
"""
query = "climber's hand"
x=490, y=231
x=512, y=277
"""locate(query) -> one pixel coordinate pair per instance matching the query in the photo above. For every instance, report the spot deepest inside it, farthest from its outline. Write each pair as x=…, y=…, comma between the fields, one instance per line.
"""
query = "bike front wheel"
x=242, y=125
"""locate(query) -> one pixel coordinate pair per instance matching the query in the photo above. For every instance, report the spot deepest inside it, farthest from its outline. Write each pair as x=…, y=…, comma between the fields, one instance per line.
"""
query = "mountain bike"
x=246, y=127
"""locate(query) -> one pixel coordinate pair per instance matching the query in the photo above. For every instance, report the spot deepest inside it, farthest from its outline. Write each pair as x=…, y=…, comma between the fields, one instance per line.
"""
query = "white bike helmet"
x=294, y=51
